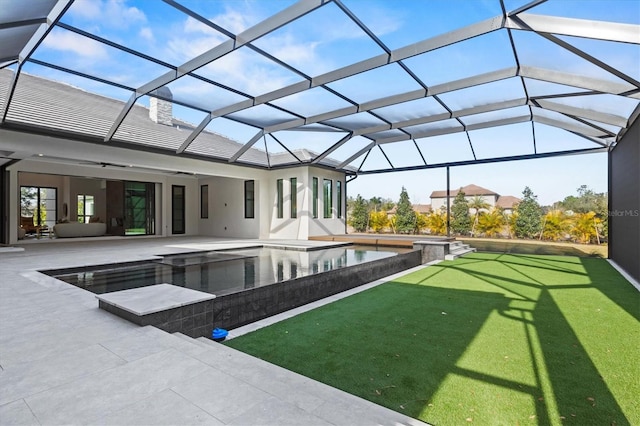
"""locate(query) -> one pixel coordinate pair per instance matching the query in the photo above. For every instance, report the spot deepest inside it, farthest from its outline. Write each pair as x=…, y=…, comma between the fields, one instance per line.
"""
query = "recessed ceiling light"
x=40, y=155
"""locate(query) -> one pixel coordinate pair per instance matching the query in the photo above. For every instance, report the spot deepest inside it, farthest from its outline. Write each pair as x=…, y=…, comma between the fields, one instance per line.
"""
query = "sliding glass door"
x=139, y=208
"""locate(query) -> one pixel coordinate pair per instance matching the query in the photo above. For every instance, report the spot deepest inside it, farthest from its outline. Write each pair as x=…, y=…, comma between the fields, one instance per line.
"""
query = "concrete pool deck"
x=65, y=361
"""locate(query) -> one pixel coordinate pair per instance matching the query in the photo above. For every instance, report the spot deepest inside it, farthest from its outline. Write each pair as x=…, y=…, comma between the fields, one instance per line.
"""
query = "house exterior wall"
x=322, y=226
x=305, y=225
x=226, y=209
x=71, y=180
x=624, y=202
x=225, y=181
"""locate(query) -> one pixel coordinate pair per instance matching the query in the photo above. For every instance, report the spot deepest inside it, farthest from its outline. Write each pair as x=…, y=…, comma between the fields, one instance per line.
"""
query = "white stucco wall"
x=226, y=209
x=334, y=225
x=286, y=227
x=226, y=188
x=304, y=225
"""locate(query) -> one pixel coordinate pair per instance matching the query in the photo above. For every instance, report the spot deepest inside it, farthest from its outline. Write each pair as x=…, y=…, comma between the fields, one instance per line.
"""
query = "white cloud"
x=191, y=39
x=287, y=48
x=239, y=69
x=233, y=21
x=86, y=9
x=114, y=13
x=192, y=26
x=146, y=33
x=71, y=42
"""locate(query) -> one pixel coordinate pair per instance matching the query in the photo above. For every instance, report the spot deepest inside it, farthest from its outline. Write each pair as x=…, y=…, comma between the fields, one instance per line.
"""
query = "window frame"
x=178, y=213
x=339, y=199
x=37, y=220
x=314, y=189
x=293, y=207
x=280, y=198
x=250, y=201
x=327, y=192
x=84, y=217
x=204, y=201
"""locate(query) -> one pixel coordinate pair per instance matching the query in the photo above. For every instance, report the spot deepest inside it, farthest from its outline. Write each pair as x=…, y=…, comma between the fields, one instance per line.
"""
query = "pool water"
x=222, y=272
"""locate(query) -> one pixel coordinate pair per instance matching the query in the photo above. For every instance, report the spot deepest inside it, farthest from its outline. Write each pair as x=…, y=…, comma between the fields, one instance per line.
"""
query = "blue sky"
x=324, y=40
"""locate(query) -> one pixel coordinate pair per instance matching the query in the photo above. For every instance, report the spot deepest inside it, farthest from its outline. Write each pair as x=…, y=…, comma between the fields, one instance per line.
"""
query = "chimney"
x=161, y=107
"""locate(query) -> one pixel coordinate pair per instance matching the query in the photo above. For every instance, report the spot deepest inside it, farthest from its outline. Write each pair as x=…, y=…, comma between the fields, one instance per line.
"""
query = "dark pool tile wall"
x=194, y=320
x=234, y=310
x=237, y=309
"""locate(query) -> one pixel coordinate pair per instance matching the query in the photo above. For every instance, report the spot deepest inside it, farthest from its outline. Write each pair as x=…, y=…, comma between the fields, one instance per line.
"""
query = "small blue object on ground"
x=219, y=334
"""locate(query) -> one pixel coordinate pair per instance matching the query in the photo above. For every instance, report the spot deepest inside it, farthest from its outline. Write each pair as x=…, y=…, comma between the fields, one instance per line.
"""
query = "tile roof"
x=63, y=108
x=468, y=190
x=507, y=201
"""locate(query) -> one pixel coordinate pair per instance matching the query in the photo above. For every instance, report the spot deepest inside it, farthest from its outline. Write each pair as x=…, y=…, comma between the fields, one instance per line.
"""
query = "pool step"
x=193, y=341
x=186, y=345
x=458, y=249
x=208, y=342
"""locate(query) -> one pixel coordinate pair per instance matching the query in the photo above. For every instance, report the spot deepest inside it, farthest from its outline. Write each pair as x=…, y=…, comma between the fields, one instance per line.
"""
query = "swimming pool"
x=221, y=272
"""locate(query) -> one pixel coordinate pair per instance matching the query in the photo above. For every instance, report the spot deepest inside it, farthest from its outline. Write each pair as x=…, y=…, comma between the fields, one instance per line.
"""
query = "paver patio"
x=64, y=361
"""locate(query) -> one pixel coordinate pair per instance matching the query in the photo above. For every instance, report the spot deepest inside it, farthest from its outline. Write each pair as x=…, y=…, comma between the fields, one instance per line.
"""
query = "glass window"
x=328, y=198
x=178, y=215
x=339, y=198
x=294, y=197
x=85, y=208
x=37, y=207
x=315, y=197
x=280, y=198
x=204, y=201
x=249, y=199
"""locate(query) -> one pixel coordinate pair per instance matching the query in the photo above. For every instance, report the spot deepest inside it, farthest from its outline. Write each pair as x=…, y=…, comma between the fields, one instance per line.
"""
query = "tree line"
x=580, y=218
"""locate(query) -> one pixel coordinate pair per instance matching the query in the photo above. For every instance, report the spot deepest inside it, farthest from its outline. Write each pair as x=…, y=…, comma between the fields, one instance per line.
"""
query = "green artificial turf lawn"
x=486, y=339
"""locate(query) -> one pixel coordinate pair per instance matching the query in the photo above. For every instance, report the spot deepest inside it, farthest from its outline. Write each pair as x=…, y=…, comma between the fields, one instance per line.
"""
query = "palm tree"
x=491, y=224
x=393, y=222
x=511, y=223
x=585, y=227
x=422, y=222
x=477, y=203
x=378, y=221
x=556, y=225
x=437, y=222
x=375, y=203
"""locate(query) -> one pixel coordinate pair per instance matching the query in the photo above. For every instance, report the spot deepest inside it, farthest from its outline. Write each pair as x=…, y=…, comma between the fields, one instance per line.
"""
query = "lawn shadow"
x=580, y=392
x=607, y=280
x=429, y=334
x=398, y=344
x=393, y=344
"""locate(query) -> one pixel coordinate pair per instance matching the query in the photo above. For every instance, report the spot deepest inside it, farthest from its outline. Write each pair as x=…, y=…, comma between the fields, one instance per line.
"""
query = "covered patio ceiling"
x=361, y=87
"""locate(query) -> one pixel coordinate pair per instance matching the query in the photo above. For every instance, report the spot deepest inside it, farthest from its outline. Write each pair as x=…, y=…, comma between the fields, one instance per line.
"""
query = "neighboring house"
x=508, y=203
x=493, y=199
x=418, y=208
x=422, y=208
